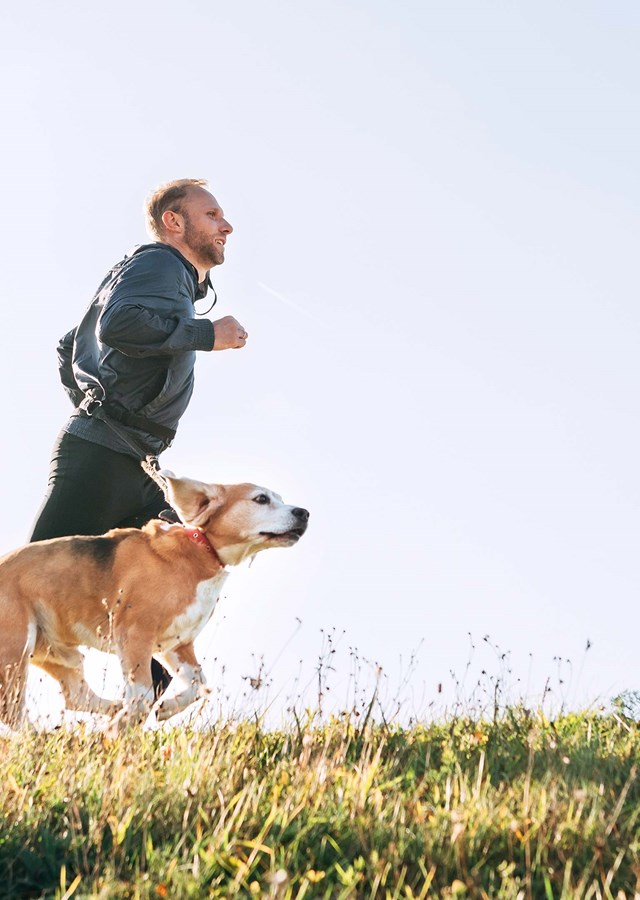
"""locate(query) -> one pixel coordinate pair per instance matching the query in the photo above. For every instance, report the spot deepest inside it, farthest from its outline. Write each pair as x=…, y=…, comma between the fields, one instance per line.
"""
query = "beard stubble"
x=202, y=245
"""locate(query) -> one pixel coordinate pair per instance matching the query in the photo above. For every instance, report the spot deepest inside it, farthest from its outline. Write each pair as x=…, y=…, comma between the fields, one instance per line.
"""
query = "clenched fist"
x=228, y=334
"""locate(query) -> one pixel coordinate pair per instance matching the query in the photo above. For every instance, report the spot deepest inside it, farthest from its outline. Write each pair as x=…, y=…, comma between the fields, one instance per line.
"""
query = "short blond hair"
x=167, y=196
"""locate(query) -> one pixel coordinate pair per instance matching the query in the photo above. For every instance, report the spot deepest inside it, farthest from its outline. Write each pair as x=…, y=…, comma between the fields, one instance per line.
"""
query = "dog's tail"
x=17, y=643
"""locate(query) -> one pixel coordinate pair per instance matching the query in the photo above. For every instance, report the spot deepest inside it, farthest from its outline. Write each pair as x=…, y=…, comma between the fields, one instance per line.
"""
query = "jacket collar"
x=201, y=288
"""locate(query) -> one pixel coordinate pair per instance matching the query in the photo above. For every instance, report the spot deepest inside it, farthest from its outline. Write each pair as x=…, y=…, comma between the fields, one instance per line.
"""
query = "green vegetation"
x=520, y=807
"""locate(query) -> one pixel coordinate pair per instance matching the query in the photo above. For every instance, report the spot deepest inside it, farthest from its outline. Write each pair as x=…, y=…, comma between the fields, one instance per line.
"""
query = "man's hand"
x=228, y=334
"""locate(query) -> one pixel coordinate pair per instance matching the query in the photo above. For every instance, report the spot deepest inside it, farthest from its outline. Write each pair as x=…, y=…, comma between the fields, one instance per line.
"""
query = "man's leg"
x=92, y=489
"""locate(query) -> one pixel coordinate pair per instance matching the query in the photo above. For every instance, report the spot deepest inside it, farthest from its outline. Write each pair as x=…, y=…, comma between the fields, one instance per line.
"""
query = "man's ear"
x=194, y=501
x=172, y=221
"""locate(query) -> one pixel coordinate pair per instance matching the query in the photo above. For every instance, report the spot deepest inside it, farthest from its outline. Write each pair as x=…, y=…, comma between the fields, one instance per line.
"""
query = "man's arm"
x=132, y=323
x=135, y=330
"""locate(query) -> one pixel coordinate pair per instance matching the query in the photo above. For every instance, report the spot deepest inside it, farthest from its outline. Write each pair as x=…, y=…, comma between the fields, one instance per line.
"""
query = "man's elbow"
x=116, y=335
x=110, y=338
x=115, y=339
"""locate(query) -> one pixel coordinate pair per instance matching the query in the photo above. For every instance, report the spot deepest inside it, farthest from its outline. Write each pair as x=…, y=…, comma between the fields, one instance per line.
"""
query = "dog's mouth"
x=293, y=534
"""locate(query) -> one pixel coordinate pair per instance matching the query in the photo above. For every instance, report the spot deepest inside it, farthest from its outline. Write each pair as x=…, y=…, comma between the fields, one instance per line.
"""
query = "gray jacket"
x=134, y=350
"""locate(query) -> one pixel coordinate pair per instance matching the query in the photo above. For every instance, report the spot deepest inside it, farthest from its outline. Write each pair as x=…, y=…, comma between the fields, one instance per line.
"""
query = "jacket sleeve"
x=65, y=368
x=144, y=314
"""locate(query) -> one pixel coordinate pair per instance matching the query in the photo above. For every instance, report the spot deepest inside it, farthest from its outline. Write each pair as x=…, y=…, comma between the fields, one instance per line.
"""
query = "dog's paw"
x=165, y=708
x=128, y=717
x=115, y=726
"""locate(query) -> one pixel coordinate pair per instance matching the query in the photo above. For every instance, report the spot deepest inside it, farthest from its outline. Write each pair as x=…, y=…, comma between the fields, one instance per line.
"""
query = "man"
x=128, y=368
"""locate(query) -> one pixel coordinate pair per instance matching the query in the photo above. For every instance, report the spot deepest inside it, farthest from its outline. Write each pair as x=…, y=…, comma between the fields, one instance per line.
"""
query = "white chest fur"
x=189, y=623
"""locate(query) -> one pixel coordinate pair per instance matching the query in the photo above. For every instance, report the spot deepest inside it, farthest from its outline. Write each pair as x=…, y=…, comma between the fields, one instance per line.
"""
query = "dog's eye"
x=261, y=498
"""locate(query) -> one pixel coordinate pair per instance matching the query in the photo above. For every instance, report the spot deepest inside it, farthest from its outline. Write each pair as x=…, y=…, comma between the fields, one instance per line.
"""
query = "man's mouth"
x=219, y=242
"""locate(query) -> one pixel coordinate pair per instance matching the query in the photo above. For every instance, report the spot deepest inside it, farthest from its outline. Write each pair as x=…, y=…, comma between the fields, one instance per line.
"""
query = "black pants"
x=92, y=489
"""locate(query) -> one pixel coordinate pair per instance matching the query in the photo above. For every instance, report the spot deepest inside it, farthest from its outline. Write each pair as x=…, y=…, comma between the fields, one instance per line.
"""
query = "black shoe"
x=170, y=515
x=161, y=678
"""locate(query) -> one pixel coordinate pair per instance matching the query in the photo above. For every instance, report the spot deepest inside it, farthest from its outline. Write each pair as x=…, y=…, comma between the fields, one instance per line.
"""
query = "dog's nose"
x=302, y=514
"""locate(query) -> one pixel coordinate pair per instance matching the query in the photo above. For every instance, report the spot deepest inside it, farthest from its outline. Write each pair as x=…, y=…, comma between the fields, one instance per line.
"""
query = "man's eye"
x=261, y=498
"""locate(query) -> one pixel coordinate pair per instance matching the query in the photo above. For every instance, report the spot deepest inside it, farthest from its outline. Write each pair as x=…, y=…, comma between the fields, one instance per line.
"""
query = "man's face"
x=205, y=228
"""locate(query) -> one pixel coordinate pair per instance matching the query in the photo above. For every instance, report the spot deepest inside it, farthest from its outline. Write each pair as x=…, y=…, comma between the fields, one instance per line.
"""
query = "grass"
x=518, y=806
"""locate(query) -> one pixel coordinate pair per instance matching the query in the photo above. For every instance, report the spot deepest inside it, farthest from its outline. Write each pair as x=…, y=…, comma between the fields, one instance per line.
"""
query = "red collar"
x=199, y=537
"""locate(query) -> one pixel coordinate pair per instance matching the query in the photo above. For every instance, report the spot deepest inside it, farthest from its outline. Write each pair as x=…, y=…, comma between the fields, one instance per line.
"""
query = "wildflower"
x=314, y=876
x=278, y=878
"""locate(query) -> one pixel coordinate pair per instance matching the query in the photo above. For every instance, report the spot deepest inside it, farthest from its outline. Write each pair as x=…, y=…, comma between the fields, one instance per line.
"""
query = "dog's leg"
x=188, y=682
x=75, y=690
x=134, y=651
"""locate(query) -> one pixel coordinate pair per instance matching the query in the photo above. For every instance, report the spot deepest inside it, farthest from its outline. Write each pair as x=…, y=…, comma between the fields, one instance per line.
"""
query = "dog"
x=134, y=592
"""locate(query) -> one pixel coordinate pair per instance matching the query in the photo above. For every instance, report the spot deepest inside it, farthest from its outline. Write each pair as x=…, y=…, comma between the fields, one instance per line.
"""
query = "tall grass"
x=514, y=806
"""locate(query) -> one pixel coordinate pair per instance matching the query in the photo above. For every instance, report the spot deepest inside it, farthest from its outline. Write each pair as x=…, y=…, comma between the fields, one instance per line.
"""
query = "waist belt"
x=104, y=410
x=110, y=414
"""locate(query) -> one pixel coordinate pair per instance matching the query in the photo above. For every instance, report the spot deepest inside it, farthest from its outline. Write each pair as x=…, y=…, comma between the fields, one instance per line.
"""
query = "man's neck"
x=186, y=252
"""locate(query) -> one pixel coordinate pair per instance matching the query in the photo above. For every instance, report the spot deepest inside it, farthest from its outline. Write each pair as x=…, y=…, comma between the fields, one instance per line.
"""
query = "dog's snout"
x=299, y=513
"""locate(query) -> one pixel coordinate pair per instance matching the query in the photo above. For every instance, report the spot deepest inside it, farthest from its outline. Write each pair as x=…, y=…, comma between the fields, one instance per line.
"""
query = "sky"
x=436, y=215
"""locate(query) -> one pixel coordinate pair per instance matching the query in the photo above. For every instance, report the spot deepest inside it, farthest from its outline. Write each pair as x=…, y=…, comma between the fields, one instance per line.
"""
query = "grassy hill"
x=518, y=807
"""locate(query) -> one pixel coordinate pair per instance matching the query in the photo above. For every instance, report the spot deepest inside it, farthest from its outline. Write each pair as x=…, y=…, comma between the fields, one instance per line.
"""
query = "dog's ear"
x=194, y=501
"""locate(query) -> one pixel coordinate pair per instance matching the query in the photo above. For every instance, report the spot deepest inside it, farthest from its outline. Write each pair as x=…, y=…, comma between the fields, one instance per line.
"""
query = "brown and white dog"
x=134, y=592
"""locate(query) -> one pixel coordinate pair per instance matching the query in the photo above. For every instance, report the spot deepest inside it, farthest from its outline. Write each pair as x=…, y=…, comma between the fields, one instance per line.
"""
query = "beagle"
x=134, y=592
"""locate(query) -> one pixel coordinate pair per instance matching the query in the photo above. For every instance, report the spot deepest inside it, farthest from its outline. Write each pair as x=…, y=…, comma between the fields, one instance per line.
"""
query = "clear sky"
x=436, y=219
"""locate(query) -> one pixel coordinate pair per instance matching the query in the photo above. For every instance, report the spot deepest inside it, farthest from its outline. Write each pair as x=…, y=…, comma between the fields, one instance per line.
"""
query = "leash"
x=151, y=466
x=149, y=463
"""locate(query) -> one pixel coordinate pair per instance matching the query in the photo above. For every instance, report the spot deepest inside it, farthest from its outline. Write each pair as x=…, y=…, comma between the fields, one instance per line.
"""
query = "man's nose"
x=225, y=226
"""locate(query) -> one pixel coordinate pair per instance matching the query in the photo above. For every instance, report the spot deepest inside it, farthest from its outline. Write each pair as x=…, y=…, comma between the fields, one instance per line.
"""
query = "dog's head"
x=238, y=520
